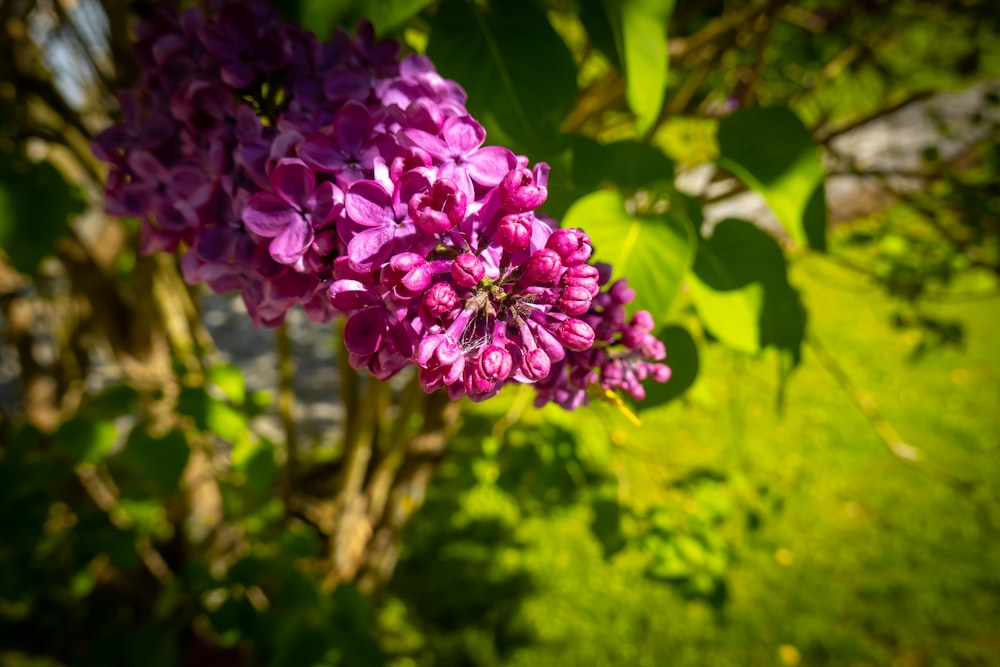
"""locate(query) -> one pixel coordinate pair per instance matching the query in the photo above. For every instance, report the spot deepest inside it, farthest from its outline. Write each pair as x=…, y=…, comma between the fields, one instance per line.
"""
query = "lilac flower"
x=337, y=177
x=288, y=213
x=236, y=38
x=461, y=158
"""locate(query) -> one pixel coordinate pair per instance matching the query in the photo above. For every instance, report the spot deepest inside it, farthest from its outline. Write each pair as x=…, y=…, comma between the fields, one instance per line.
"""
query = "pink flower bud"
x=632, y=337
x=643, y=320
x=575, y=334
x=514, y=232
x=477, y=383
x=495, y=363
x=583, y=275
x=536, y=364
x=519, y=192
x=543, y=267
x=467, y=270
x=661, y=372
x=573, y=246
x=440, y=298
x=574, y=300
x=621, y=293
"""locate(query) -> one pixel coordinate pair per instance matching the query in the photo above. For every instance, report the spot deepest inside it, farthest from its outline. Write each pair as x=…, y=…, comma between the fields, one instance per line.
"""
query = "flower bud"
x=519, y=192
x=603, y=272
x=575, y=334
x=653, y=348
x=440, y=209
x=621, y=293
x=495, y=363
x=574, y=300
x=632, y=337
x=643, y=320
x=612, y=374
x=583, y=275
x=536, y=364
x=467, y=270
x=514, y=232
x=440, y=298
x=543, y=267
x=572, y=245
x=477, y=383
x=660, y=372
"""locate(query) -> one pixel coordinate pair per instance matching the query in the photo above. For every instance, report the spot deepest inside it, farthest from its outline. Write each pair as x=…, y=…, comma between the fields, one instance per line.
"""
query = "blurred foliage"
x=155, y=510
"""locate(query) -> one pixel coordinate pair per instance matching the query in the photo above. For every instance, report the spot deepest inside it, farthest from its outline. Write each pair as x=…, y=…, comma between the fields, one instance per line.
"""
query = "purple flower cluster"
x=340, y=177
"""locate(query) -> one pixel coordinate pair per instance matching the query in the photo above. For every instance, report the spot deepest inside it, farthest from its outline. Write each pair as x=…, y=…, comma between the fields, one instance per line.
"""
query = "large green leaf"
x=644, y=44
x=628, y=165
x=35, y=206
x=653, y=252
x=518, y=73
x=740, y=289
x=772, y=152
x=588, y=165
x=603, y=35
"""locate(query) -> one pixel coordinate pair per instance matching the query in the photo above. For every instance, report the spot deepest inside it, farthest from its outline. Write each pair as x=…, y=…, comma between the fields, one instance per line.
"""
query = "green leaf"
x=212, y=415
x=740, y=289
x=653, y=252
x=773, y=153
x=518, y=73
x=630, y=165
x=36, y=203
x=86, y=440
x=255, y=461
x=387, y=15
x=161, y=460
x=319, y=16
x=644, y=43
x=603, y=36
x=732, y=315
x=229, y=379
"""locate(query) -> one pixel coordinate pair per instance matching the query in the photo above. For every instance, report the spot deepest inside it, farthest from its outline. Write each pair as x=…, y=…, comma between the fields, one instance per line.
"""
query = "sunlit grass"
x=858, y=555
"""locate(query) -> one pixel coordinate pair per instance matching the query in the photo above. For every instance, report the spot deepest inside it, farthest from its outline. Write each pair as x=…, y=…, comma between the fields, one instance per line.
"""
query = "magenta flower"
x=462, y=159
x=289, y=213
x=337, y=177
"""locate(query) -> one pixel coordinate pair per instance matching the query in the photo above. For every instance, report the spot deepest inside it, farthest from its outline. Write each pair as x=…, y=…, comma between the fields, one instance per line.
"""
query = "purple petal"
x=364, y=331
x=351, y=127
x=367, y=203
x=347, y=295
x=289, y=246
x=347, y=85
x=267, y=215
x=238, y=75
x=425, y=141
x=321, y=153
x=371, y=247
x=217, y=39
x=147, y=167
x=293, y=181
x=324, y=203
x=463, y=135
x=489, y=165
x=273, y=51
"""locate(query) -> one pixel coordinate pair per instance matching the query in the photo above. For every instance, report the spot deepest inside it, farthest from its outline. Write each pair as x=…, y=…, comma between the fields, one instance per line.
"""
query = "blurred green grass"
x=835, y=551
